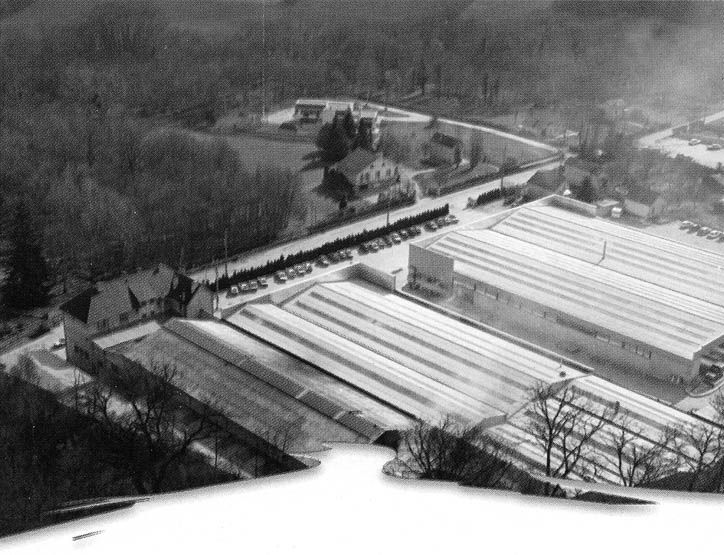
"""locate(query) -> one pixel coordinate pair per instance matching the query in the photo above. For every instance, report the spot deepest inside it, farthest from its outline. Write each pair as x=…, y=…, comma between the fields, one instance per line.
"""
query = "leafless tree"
x=564, y=423
x=145, y=426
x=705, y=449
x=454, y=452
x=640, y=462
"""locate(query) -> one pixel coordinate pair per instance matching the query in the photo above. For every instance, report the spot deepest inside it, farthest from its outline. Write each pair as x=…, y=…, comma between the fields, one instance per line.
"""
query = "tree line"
x=225, y=281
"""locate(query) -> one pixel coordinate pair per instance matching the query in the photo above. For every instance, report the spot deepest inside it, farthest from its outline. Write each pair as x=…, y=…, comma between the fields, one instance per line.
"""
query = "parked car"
x=323, y=261
x=342, y=254
x=431, y=226
x=59, y=344
x=694, y=142
x=244, y=287
x=253, y=286
x=404, y=234
x=451, y=219
x=714, y=234
x=263, y=282
x=387, y=240
x=395, y=238
x=373, y=246
x=280, y=276
x=299, y=269
x=441, y=222
x=715, y=146
x=308, y=267
x=349, y=254
x=703, y=230
x=694, y=227
x=416, y=230
x=686, y=224
x=233, y=291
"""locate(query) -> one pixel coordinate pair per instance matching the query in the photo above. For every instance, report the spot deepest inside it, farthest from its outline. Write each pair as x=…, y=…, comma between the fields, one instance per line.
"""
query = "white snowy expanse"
x=346, y=505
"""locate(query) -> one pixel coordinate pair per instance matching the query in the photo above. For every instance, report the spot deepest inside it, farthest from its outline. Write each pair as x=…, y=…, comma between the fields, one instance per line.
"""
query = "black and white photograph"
x=361, y=276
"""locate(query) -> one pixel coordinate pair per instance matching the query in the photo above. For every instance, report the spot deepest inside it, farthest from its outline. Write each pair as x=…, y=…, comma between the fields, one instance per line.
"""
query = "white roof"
x=657, y=292
x=410, y=356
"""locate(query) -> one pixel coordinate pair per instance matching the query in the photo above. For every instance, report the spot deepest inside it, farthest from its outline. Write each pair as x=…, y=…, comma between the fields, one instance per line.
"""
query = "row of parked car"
x=326, y=260
x=250, y=286
x=702, y=230
x=713, y=146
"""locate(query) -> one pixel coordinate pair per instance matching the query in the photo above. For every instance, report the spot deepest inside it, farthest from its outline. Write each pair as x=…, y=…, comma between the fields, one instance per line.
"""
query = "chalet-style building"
x=365, y=170
x=128, y=308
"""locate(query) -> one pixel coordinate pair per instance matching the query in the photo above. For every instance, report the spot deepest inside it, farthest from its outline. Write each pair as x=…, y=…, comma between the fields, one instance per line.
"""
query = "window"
x=389, y=172
x=377, y=175
x=367, y=176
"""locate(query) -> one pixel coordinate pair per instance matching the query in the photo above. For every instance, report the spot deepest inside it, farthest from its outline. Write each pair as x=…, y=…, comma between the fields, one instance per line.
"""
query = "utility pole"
x=502, y=172
x=263, y=67
x=226, y=251
x=216, y=269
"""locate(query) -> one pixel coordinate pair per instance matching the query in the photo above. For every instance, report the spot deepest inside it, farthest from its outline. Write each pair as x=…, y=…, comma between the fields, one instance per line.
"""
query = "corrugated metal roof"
x=655, y=316
x=646, y=420
x=628, y=251
x=245, y=399
x=415, y=358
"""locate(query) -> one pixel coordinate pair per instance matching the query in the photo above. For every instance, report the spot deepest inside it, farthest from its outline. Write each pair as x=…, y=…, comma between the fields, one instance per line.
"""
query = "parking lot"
x=388, y=253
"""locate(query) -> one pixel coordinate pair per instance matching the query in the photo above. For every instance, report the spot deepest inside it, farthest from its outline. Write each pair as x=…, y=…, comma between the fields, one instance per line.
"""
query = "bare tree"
x=454, y=452
x=145, y=426
x=705, y=450
x=564, y=423
x=639, y=462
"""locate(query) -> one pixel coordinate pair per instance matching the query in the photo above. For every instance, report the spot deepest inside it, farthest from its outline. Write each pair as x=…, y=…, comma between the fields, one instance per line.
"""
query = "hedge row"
x=329, y=247
x=496, y=194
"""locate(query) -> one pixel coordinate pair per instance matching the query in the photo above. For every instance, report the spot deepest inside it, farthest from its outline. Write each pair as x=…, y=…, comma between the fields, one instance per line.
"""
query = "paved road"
x=44, y=342
x=407, y=115
x=457, y=201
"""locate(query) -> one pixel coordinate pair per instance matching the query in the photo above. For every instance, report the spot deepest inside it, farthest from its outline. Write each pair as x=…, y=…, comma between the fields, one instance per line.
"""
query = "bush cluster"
x=329, y=247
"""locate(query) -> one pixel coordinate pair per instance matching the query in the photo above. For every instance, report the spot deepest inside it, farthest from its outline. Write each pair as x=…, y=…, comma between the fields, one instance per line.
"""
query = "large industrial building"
x=556, y=274
x=427, y=363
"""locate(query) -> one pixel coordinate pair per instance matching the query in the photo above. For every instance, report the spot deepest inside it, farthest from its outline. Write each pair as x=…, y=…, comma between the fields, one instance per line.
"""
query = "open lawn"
x=297, y=156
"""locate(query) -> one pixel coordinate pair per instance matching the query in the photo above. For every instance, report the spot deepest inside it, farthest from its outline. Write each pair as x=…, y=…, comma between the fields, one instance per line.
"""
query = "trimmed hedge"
x=496, y=194
x=331, y=246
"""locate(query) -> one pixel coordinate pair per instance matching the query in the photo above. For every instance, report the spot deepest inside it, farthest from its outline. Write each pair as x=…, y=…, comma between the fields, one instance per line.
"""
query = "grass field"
x=296, y=156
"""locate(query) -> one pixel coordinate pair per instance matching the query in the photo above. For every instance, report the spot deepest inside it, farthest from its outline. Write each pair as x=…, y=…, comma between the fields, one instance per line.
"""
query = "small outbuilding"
x=445, y=149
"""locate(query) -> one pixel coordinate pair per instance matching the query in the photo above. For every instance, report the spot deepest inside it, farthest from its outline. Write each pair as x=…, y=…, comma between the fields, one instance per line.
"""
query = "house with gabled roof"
x=126, y=308
x=365, y=170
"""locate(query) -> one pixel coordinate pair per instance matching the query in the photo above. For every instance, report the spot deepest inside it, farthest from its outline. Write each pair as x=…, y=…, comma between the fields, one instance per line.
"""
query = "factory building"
x=554, y=273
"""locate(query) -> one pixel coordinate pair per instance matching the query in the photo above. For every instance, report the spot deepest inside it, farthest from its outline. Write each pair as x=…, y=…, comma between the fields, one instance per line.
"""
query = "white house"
x=365, y=170
x=129, y=304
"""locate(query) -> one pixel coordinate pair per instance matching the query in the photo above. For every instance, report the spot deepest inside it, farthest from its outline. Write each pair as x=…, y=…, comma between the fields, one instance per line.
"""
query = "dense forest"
x=93, y=106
